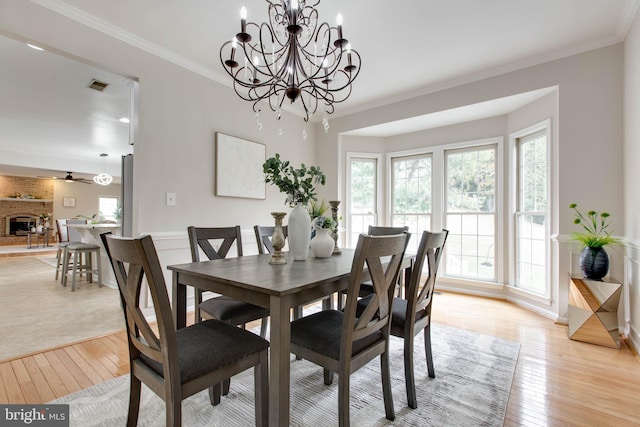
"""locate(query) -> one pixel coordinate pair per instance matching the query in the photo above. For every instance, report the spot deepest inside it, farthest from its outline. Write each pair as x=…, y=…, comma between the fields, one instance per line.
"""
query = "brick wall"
x=17, y=185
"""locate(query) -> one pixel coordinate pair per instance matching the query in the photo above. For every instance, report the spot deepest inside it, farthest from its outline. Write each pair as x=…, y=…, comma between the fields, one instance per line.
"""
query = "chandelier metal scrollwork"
x=293, y=57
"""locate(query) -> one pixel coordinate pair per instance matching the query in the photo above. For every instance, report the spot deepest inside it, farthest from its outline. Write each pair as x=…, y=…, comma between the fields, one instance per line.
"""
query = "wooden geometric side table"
x=593, y=311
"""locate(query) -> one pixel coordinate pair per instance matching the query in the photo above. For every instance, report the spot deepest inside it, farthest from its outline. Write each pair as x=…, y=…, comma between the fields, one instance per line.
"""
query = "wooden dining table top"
x=255, y=274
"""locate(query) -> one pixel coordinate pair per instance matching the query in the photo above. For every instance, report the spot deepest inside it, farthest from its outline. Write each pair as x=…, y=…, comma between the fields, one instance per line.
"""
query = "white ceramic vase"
x=322, y=245
x=299, y=232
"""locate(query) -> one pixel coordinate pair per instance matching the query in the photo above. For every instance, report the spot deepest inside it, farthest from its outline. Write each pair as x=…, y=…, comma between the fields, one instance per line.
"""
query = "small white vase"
x=299, y=233
x=322, y=245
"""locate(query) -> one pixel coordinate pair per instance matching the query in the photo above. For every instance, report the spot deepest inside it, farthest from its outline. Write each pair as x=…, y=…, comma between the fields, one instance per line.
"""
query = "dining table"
x=277, y=287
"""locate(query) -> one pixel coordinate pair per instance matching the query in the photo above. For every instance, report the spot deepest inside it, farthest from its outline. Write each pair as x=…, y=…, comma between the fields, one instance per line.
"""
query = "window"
x=107, y=208
x=531, y=212
x=470, y=213
x=411, y=195
x=362, y=191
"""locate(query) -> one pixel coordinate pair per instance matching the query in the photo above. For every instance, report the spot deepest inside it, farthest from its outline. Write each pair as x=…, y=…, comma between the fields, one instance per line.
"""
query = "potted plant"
x=594, y=261
x=299, y=186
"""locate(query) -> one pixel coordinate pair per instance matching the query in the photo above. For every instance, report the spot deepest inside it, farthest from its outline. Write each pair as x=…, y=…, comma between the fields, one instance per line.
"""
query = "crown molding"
x=628, y=15
x=118, y=33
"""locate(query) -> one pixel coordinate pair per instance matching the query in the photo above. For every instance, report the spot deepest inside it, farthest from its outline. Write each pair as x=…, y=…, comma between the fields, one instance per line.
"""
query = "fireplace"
x=20, y=224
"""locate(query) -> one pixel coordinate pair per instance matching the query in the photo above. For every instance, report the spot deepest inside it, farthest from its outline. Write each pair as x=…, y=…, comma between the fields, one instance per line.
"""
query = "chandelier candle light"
x=293, y=56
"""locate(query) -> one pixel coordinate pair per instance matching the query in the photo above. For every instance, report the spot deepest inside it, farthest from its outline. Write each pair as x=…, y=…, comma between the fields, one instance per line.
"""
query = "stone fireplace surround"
x=23, y=208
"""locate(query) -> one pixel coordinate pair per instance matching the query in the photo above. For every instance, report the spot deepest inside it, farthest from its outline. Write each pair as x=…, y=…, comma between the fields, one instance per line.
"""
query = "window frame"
x=108, y=196
x=445, y=212
x=391, y=190
x=377, y=191
x=438, y=191
x=542, y=126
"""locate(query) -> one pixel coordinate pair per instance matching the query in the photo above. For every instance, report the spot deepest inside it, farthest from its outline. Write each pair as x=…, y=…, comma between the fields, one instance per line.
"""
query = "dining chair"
x=375, y=230
x=222, y=308
x=177, y=364
x=263, y=237
x=413, y=314
x=343, y=343
x=366, y=288
x=229, y=310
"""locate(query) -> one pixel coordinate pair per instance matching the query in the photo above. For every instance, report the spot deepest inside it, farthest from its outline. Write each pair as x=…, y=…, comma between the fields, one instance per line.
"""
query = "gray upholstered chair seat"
x=398, y=310
x=322, y=332
x=78, y=246
x=209, y=346
x=225, y=309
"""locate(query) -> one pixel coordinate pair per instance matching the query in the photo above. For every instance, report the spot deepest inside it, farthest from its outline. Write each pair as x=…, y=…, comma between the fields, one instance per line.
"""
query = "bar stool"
x=65, y=237
x=80, y=250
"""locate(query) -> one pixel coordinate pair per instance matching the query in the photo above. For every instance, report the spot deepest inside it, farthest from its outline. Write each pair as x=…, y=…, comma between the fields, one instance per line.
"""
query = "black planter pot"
x=594, y=263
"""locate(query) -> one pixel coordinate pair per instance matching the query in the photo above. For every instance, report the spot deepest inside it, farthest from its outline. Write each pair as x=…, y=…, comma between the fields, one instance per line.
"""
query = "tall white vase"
x=299, y=233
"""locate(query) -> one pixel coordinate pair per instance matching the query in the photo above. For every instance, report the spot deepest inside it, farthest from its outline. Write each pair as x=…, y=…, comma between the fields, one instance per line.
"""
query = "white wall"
x=85, y=195
x=632, y=175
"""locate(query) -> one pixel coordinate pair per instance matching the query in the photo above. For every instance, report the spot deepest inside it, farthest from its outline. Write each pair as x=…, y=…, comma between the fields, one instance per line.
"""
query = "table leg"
x=280, y=361
x=179, y=302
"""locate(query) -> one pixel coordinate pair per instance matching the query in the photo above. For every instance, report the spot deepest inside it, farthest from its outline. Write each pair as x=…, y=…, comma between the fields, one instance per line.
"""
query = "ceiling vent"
x=98, y=85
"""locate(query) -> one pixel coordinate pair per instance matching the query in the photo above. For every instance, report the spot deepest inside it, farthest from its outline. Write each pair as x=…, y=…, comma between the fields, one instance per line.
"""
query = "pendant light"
x=103, y=178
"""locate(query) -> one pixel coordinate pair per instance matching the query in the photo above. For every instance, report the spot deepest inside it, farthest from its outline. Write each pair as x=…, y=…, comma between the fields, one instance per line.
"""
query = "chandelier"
x=292, y=57
x=103, y=178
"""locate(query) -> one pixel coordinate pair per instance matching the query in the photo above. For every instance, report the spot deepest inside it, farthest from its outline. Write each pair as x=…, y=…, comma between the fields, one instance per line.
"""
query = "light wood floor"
x=558, y=382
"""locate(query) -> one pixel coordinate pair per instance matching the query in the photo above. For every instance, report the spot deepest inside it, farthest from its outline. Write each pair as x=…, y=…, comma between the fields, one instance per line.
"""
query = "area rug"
x=474, y=373
x=48, y=259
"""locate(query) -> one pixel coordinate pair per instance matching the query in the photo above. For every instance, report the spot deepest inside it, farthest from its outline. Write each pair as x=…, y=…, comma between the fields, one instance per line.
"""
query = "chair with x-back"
x=177, y=364
x=222, y=308
x=413, y=314
x=342, y=342
x=366, y=288
x=263, y=237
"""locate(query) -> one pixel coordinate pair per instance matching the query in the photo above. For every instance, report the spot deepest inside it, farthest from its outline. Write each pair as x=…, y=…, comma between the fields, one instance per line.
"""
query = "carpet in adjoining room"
x=37, y=313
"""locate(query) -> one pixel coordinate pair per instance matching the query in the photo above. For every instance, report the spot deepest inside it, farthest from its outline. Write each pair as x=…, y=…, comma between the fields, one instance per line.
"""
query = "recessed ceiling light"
x=32, y=46
x=124, y=119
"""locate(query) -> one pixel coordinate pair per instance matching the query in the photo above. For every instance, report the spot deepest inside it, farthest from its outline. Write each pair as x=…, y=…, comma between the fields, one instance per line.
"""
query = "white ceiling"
x=408, y=48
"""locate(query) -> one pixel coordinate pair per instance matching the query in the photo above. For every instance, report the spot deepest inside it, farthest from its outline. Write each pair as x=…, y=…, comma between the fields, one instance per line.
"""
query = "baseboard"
x=633, y=339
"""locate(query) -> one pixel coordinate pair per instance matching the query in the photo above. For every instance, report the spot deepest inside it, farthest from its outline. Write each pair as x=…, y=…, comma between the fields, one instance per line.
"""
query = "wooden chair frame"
x=200, y=237
x=135, y=259
x=263, y=237
x=419, y=300
x=374, y=319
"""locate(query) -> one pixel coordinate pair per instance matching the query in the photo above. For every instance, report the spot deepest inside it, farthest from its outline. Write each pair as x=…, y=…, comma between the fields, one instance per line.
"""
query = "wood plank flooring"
x=558, y=382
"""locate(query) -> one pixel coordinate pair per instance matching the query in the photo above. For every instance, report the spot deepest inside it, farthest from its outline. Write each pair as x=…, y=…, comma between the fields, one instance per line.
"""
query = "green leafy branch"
x=296, y=183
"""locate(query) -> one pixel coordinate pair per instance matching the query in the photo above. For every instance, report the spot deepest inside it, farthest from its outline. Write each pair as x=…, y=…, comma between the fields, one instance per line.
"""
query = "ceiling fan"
x=69, y=178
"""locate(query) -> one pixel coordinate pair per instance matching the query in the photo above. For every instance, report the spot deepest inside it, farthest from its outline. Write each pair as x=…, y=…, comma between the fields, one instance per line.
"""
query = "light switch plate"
x=171, y=199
